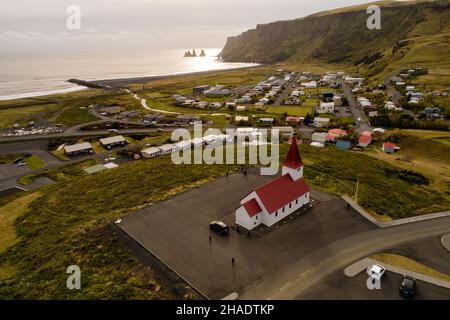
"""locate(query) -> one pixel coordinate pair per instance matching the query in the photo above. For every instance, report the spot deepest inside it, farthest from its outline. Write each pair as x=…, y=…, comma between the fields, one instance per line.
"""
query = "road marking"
x=285, y=286
x=303, y=273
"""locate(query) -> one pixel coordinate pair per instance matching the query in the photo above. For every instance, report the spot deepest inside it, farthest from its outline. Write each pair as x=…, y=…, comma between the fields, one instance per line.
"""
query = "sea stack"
x=202, y=54
x=194, y=54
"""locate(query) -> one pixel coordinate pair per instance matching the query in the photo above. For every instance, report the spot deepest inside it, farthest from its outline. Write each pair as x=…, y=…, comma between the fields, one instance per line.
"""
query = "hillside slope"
x=411, y=32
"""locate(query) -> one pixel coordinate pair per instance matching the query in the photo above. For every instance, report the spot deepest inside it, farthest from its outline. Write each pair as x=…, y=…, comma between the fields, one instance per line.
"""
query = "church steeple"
x=293, y=164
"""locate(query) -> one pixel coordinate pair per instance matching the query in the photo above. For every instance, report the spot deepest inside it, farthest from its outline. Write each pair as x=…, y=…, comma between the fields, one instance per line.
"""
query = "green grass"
x=73, y=115
x=79, y=232
x=80, y=208
x=9, y=213
x=34, y=162
x=290, y=110
x=31, y=178
x=9, y=158
x=60, y=154
x=337, y=172
x=410, y=264
x=24, y=114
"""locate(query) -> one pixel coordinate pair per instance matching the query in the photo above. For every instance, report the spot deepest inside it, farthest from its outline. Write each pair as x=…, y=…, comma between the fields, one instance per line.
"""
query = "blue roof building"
x=343, y=145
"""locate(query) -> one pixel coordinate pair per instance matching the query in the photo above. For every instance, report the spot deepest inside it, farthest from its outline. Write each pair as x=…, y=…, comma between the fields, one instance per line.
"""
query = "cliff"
x=341, y=36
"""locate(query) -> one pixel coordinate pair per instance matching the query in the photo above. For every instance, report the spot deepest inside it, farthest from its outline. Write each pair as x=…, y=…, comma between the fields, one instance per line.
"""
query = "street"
x=357, y=112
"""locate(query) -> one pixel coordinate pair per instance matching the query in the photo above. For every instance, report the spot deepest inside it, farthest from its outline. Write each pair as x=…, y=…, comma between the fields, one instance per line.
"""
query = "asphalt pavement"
x=357, y=111
x=176, y=232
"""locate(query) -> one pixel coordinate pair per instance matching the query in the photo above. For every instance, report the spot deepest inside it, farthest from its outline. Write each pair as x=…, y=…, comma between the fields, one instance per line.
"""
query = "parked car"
x=408, y=287
x=376, y=271
x=17, y=161
x=219, y=227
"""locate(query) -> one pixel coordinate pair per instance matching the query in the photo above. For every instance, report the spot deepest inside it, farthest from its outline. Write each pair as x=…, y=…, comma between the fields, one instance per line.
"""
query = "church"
x=277, y=199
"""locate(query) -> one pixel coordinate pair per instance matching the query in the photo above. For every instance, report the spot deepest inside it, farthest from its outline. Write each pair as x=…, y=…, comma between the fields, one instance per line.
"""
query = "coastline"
x=37, y=94
x=121, y=82
x=116, y=83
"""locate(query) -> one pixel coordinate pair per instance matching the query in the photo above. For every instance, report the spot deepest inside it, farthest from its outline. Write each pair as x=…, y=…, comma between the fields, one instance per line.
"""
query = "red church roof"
x=280, y=192
x=293, y=159
x=252, y=207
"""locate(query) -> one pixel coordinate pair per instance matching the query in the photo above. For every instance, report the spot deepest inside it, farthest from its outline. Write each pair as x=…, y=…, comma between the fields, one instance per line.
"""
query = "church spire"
x=293, y=159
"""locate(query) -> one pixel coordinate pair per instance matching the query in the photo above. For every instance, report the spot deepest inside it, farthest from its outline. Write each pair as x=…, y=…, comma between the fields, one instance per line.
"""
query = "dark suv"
x=408, y=287
x=219, y=227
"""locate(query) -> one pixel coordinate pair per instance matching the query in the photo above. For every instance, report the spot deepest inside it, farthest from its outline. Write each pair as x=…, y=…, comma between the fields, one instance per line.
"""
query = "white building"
x=321, y=122
x=326, y=107
x=183, y=145
x=274, y=201
x=309, y=85
x=78, y=148
x=285, y=131
x=319, y=137
x=364, y=102
x=241, y=118
x=151, y=152
x=167, y=148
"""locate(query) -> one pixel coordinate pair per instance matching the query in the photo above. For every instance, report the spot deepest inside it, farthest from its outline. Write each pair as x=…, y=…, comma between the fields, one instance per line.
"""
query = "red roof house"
x=389, y=147
x=278, y=198
x=337, y=133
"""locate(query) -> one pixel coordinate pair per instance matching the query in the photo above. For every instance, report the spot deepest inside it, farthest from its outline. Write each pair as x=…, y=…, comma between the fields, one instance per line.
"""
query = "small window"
x=276, y=214
x=256, y=218
x=296, y=201
x=283, y=209
x=290, y=205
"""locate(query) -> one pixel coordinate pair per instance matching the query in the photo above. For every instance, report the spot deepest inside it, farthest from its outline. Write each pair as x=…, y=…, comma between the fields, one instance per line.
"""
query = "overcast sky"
x=40, y=25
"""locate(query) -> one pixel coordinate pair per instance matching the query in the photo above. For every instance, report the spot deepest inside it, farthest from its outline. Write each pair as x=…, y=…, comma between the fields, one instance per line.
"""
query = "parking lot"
x=340, y=287
x=176, y=232
x=12, y=170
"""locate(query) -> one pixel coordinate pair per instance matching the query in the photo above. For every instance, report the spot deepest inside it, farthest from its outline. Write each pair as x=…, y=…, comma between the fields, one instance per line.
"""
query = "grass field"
x=34, y=162
x=424, y=151
x=9, y=213
x=338, y=171
x=79, y=208
x=74, y=115
x=23, y=115
x=290, y=110
x=9, y=158
x=409, y=264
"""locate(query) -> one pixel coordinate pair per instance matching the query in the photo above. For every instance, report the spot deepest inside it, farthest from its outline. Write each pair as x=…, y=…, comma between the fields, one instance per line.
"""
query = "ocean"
x=37, y=74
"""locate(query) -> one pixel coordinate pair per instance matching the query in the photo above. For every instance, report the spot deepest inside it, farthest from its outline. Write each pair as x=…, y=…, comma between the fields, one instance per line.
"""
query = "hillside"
x=413, y=32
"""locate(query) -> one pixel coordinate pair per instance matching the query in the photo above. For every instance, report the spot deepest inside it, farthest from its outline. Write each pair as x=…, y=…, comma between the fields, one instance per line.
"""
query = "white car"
x=376, y=271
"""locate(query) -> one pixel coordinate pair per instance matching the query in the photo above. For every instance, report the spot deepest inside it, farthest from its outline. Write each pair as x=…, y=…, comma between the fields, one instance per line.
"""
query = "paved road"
x=69, y=134
x=287, y=90
x=356, y=109
x=304, y=274
x=338, y=286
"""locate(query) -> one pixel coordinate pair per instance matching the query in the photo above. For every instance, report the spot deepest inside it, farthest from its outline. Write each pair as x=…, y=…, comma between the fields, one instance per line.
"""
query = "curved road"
x=296, y=278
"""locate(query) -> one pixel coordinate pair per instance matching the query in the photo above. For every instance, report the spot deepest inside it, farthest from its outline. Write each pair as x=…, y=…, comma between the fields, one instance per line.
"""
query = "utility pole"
x=357, y=187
